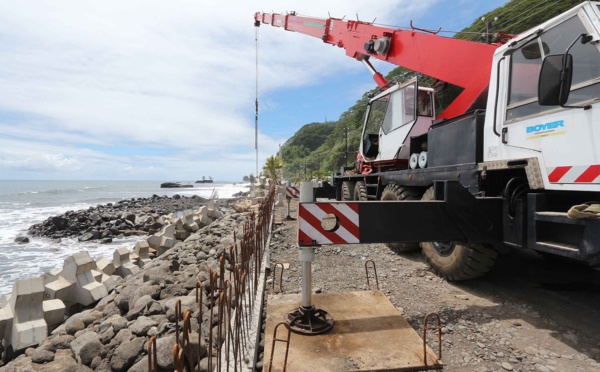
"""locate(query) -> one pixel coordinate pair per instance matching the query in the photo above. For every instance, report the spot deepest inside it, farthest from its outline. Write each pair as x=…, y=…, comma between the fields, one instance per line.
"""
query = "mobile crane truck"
x=506, y=165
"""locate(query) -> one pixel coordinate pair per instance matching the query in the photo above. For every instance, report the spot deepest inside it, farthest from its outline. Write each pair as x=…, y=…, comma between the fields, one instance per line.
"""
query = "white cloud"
x=177, y=76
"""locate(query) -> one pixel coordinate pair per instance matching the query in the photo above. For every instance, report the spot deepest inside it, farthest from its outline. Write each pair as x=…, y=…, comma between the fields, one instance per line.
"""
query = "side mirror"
x=555, y=80
x=556, y=77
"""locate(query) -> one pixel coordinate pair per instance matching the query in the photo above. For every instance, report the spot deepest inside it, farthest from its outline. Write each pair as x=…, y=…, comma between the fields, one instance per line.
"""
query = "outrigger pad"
x=309, y=321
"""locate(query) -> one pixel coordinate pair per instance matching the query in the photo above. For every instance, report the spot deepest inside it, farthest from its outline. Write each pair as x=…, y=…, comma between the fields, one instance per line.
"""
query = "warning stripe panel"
x=590, y=174
x=345, y=229
x=575, y=174
x=347, y=218
x=311, y=216
x=558, y=173
x=310, y=223
x=292, y=192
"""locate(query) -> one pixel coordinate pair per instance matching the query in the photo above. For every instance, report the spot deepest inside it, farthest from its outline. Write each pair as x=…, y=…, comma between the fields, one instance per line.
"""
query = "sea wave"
x=64, y=191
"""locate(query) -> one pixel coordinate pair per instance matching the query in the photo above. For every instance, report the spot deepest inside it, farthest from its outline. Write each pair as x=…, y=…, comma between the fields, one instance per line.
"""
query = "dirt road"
x=528, y=314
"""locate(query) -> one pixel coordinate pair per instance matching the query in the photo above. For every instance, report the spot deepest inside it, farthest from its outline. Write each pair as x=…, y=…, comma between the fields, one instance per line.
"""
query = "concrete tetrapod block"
x=58, y=289
x=6, y=317
x=213, y=210
x=28, y=325
x=97, y=275
x=54, y=312
x=166, y=243
x=52, y=275
x=76, y=282
x=142, y=250
x=168, y=231
x=86, y=290
x=106, y=266
x=154, y=241
x=4, y=300
x=202, y=221
x=123, y=263
x=135, y=259
x=179, y=224
x=181, y=234
x=189, y=224
x=109, y=282
x=202, y=211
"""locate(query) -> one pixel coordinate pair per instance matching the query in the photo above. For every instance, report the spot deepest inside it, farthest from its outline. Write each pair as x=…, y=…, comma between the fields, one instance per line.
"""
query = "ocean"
x=24, y=203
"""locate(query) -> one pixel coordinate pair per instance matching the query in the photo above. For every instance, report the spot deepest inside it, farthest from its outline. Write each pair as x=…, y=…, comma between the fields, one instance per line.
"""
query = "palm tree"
x=272, y=167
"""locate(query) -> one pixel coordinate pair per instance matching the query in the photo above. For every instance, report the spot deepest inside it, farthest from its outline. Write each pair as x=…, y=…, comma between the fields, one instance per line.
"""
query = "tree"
x=272, y=167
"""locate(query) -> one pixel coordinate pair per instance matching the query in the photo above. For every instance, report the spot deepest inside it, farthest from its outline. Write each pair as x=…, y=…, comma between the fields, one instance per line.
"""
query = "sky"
x=157, y=90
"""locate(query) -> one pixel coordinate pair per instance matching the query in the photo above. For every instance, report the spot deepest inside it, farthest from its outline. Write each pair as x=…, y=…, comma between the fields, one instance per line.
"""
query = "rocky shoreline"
x=113, y=334
x=115, y=220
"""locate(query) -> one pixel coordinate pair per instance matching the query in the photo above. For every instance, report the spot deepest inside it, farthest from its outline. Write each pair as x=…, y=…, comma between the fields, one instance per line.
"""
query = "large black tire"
x=395, y=192
x=360, y=191
x=458, y=261
x=347, y=190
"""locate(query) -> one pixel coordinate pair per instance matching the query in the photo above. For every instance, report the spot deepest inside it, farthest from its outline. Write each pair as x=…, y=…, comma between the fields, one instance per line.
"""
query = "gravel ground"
x=527, y=314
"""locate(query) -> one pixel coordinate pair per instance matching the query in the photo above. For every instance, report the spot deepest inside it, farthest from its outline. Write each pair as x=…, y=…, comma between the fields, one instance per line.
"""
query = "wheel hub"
x=444, y=248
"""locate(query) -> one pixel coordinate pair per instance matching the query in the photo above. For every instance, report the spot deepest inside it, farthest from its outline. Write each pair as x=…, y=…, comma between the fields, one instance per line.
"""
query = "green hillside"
x=318, y=149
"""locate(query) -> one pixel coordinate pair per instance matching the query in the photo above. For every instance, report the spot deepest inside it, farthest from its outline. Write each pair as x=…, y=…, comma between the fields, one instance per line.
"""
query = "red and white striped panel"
x=292, y=192
x=311, y=232
x=574, y=174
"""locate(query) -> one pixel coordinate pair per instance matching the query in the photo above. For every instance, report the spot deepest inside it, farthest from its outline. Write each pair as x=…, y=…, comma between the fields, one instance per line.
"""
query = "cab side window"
x=526, y=64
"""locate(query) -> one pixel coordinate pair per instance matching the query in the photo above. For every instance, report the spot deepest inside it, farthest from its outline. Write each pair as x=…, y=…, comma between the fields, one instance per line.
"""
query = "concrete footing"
x=369, y=335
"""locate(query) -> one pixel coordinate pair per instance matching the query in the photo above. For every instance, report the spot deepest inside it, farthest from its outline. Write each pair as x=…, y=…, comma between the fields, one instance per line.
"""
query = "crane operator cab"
x=394, y=116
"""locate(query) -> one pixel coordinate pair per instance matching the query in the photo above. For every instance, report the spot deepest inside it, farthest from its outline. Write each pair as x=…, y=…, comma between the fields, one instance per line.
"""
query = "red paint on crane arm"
x=462, y=63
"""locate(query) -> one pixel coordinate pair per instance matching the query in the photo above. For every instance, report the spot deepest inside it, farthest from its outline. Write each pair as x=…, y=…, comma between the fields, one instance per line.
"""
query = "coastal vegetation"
x=273, y=167
x=320, y=148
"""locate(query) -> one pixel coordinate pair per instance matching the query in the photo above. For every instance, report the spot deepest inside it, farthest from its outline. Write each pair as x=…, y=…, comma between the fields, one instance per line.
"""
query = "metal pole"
x=307, y=256
x=307, y=319
x=256, y=101
x=346, y=146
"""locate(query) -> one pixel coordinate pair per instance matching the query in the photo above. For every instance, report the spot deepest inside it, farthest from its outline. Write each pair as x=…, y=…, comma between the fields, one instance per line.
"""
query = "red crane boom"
x=462, y=63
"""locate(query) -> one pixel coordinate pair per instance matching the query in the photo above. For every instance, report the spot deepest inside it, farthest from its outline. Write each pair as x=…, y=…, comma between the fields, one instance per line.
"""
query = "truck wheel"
x=360, y=191
x=395, y=192
x=457, y=261
x=347, y=191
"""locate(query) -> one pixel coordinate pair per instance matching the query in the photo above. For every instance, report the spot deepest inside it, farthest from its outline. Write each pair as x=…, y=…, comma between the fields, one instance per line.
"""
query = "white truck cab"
x=559, y=140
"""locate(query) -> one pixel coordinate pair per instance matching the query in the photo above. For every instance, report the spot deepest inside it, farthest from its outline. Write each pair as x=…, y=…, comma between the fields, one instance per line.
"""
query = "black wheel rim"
x=444, y=249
